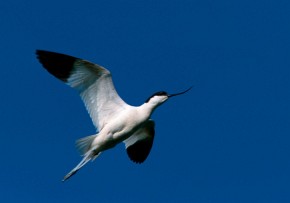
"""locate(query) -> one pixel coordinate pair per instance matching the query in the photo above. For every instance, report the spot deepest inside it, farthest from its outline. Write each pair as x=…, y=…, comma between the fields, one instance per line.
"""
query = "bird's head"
x=160, y=97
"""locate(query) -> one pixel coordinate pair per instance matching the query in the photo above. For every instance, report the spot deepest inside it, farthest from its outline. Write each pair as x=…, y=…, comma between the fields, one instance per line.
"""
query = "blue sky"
x=227, y=140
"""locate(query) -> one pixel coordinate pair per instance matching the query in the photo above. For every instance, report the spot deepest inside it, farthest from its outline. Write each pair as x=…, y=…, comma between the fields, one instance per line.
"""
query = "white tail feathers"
x=84, y=144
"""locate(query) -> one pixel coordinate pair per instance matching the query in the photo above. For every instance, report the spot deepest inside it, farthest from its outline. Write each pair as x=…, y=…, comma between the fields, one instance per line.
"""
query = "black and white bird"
x=115, y=120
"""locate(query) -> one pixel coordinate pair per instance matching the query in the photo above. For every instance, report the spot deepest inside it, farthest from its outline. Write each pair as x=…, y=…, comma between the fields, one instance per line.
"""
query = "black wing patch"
x=139, y=150
x=59, y=65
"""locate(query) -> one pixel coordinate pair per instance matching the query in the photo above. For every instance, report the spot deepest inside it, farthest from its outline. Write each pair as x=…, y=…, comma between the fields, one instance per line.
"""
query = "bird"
x=115, y=121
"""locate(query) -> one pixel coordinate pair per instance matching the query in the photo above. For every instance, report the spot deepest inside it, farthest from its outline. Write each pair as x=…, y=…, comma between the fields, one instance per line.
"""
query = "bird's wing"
x=93, y=82
x=139, y=144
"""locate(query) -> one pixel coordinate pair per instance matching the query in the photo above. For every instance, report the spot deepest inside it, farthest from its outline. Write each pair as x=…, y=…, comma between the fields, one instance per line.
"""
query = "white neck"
x=148, y=108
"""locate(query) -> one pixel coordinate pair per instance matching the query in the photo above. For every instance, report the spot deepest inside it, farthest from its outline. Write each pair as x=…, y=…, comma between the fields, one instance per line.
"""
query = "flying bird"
x=115, y=120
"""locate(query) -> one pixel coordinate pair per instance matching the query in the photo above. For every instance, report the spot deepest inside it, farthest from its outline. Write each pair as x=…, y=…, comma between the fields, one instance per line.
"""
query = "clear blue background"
x=225, y=141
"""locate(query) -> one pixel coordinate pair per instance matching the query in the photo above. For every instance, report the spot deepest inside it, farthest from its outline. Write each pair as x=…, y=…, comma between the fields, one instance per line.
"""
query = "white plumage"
x=115, y=120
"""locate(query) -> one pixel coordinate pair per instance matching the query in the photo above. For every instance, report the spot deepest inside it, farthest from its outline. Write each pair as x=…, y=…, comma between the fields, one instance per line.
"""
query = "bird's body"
x=115, y=120
x=121, y=127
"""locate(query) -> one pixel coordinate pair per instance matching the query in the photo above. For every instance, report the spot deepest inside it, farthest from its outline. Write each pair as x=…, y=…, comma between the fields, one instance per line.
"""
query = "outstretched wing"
x=93, y=82
x=139, y=144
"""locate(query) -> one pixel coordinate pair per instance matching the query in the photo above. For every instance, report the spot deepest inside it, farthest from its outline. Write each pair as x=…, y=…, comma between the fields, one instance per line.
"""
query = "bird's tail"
x=84, y=144
x=90, y=155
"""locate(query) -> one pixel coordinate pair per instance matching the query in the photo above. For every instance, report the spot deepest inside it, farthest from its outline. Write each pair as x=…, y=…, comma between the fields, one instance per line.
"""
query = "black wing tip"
x=139, y=152
x=59, y=65
x=137, y=160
